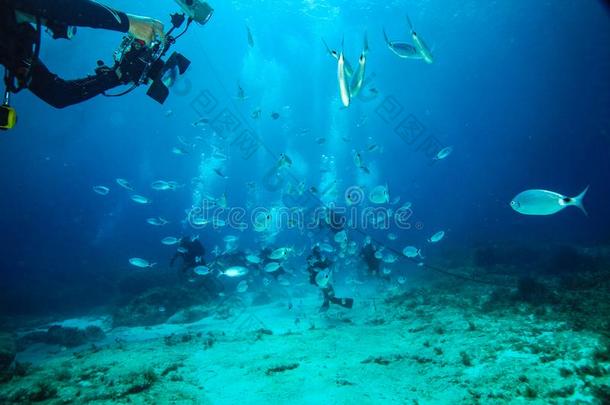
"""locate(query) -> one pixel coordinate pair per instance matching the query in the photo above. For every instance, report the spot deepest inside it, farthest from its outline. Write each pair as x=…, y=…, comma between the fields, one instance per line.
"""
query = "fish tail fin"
x=409, y=22
x=152, y=265
x=579, y=201
x=330, y=51
x=385, y=37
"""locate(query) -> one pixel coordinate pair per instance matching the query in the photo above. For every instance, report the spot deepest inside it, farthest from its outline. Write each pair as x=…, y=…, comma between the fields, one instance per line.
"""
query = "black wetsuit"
x=192, y=253
x=368, y=256
x=29, y=71
x=316, y=265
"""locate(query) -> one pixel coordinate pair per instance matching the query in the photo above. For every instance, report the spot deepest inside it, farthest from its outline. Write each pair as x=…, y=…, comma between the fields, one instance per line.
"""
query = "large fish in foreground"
x=423, y=49
x=544, y=202
x=349, y=72
x=358, y=79
x=341, y=76
x=402, y=49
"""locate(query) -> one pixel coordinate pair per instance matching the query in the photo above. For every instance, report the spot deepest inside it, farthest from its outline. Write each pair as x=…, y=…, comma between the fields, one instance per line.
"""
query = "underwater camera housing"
x=198, y=11
x=144, y=65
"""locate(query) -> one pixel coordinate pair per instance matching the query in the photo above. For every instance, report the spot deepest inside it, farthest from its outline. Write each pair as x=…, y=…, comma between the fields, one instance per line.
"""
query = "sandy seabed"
x=410, y=345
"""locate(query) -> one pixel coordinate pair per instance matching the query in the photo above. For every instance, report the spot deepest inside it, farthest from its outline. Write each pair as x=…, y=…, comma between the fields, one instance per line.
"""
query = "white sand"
x=374, y=353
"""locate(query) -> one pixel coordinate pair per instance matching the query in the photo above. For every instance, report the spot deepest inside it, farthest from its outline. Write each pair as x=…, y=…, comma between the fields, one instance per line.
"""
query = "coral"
x=8, y=351
x=281, y=368
x=498, y=299
x=602, y=353
x=141, y=381
x=533, y=291
x=466, y=360
x=156, y=305
x=592, y=370
x=343, y=382
x=189, y=315
x=22, y=369
x=174, y=339
x=42, y=391
x=563, y=392
x=63, y=336
x=171, y=368
x=63, y=374
x=602, y=393
x=530, y=392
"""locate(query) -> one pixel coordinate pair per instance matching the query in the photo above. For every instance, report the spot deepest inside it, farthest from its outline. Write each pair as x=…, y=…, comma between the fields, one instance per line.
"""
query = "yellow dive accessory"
x=8, y=115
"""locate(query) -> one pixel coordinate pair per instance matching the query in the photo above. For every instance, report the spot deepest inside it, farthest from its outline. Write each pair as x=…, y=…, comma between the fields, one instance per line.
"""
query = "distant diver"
x=320, y=274
x=367, y=253
x=192, y=253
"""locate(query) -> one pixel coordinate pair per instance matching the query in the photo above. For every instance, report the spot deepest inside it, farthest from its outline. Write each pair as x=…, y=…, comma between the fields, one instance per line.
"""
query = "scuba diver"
x=320, y=274
x=192, y=253
x=21, y=23
x=20, y=45
x=367, y=253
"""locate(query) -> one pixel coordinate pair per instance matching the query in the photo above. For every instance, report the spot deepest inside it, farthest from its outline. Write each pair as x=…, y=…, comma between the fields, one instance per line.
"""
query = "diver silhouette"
x=192, y=253
x=317, y=265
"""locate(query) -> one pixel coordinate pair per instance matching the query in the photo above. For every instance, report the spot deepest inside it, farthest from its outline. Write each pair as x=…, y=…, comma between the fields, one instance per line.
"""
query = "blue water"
x=520, y=90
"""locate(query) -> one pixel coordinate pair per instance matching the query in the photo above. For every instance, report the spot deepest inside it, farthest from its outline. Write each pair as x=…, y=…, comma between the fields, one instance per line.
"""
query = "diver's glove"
x=106, y=76
x=128, y=71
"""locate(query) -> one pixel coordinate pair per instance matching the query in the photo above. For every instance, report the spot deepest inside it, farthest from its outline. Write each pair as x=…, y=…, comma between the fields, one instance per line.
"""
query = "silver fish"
x=544, y=202
x=202, y=270
x=140, y=199
x=401, y=49
x=411, y=252
x=271, y=267
x=358, y=79
x=101, y=190
x=160, y=185
x=280, y=253
x=157, y=221
x=125, y=184
x=422, y=48
x=235, y=271
x=379, y=195
x=343, y=86
x=141, y=263
x=253, y=259
x=437, y=237
x=349, y=71
x=323, y=278
x=220, y=174
x=242, y=287
x=444, y=153
x=170, y=241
